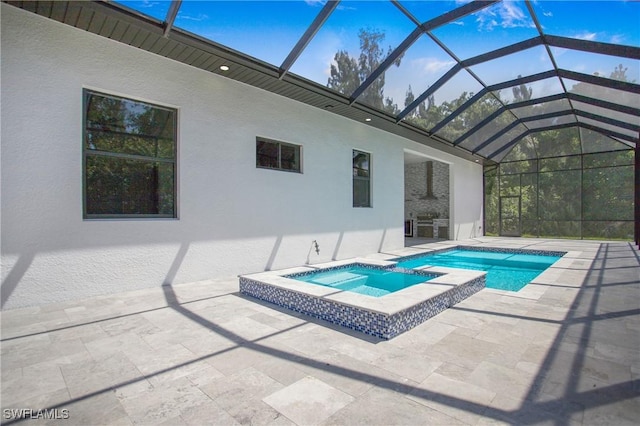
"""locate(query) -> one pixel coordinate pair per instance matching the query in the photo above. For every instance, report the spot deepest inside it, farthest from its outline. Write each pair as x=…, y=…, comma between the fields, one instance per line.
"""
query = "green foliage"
x=521, y=92
x=620, y=73
x=580, y=196
x=428, y=114
x=348, y=73
x=130, y=153
x=572, y=183
x=603, y=203
x=551, y=185
x=345, y=75
x=491, y=198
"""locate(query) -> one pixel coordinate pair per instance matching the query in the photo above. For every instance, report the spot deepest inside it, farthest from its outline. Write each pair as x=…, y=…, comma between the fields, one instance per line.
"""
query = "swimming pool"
x=383, y=317
x=376, y=282
x=509, y=270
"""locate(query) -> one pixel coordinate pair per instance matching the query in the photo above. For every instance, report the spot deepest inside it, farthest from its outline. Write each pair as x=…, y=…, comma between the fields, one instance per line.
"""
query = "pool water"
x=505, y=271
x=368, y=281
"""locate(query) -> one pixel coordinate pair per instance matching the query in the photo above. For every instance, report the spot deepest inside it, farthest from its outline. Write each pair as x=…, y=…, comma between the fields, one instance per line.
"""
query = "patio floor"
x=200, y=353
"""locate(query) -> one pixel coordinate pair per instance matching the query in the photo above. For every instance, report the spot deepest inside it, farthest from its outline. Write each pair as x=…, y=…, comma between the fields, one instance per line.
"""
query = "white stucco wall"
x=233, y=217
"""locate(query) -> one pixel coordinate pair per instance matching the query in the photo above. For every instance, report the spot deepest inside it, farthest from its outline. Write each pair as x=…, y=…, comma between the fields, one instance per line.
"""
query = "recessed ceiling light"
x=367, y=119
x=224, y=67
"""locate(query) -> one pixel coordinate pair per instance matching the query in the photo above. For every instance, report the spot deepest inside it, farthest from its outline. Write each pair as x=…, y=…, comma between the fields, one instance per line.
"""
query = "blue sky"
x=269, y=29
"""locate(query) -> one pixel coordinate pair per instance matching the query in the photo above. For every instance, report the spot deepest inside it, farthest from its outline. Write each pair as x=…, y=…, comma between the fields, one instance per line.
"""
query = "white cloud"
x=485, y=20
x=460, y=23
x=343, y=6
x=148, y=3
x=432, y=65
x=505, y=14
x=548, y=14
x=586, y=36
x=198, y=18
x=511, y=14
x=617, y=39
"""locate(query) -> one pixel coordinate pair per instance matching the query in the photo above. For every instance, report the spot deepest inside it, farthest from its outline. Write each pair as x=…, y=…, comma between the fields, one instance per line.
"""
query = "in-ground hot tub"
x=364, y=279
x=384, y=316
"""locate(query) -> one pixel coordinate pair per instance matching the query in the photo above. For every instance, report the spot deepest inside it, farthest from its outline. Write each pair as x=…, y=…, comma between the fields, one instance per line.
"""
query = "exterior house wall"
x=232, y=217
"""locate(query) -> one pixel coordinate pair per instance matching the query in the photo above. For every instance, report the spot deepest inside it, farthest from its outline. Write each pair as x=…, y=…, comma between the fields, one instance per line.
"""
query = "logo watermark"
x=41, y=414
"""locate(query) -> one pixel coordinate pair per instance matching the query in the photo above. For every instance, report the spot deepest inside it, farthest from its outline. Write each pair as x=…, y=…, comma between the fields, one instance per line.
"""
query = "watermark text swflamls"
x=29, y=413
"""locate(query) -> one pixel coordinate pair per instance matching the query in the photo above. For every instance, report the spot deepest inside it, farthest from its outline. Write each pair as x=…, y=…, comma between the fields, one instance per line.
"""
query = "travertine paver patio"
x=564, y=352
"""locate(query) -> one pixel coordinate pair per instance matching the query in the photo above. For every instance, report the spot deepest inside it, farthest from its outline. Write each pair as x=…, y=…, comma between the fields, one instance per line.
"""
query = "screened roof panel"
x=499, y=145
x=491, y=28
x=354, y=27
x=422, y=65
x=542, y=108
x=425, y=117
x=597, y=142
x=361, y=57
x=552, y=121
x=606, y=66
x=525, y=149
x=444, y=101
x=605, y=126
x=499, y=157
x=608, y=94
x=603, y=21
x=607, y=113
x=527, y=62
x=459, y=87
x=624, y=142
x=470, y=117
x=533, y=90
x=490, y=129
x=264, y=30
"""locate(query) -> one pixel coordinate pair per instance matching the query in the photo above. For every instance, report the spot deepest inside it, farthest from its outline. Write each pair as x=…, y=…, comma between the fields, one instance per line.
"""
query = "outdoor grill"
x=424, y=224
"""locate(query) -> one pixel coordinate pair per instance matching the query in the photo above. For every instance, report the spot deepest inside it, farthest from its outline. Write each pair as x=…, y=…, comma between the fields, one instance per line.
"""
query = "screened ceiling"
x=485, y=77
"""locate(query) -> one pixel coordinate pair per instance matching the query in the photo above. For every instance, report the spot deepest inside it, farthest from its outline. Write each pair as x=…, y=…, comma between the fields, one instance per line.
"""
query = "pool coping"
x=532, y=291
x=384, y=317
x=481, y=249
x=392, y=314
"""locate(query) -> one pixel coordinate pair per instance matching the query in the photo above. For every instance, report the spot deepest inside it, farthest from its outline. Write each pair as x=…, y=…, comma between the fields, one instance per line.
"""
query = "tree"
x=607, y=93
x=620, y=73
x=572, y=183
x=425, y=115
x=348, y=73
x=521, y=92
x=345, y=75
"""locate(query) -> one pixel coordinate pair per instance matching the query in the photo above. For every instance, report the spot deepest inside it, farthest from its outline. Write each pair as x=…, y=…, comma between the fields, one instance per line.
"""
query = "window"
x=361, y=179
x=129, y=158
x=277, y=155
